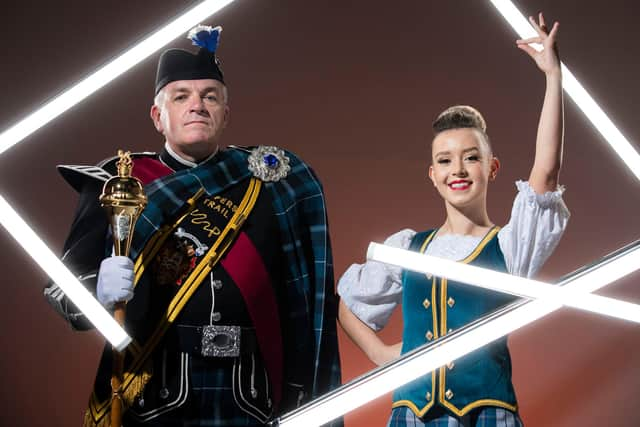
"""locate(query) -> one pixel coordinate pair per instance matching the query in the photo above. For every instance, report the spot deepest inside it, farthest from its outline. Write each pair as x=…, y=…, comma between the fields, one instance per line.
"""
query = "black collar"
x=171, y=162
x=174, y=162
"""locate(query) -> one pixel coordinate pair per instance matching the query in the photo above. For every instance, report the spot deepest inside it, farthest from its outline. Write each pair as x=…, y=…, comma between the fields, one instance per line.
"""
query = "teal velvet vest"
x=433, y=307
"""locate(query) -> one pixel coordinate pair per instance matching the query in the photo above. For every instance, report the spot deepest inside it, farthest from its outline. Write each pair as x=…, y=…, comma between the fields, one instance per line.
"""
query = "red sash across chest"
x=146, y=169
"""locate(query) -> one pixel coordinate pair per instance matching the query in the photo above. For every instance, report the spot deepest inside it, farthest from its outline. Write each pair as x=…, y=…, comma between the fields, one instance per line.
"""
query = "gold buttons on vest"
x=448, y=394
x=426, y=303
x=451, y=302
x=429, y=335
x=428, y=396
x=450, y=365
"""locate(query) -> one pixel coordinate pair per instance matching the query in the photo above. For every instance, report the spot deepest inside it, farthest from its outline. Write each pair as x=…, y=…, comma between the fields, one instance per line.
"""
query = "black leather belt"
x=216, y=340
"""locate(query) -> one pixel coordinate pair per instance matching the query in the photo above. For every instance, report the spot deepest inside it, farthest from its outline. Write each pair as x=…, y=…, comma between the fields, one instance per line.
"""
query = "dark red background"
x=351, y=86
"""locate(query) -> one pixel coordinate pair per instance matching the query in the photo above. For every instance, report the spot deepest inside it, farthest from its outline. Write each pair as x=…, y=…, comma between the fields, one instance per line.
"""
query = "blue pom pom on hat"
x=205, y=37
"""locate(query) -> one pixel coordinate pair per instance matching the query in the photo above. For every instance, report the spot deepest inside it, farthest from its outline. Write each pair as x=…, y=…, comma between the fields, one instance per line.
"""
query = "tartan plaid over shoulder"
x=299, y=205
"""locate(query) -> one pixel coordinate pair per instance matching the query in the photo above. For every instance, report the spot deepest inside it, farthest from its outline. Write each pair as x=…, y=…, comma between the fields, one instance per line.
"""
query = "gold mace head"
x=125, y=164
x=123, y=200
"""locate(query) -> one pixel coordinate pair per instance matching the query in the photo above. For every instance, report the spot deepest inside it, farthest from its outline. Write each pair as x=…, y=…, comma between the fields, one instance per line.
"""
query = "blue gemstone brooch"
x=269, y=163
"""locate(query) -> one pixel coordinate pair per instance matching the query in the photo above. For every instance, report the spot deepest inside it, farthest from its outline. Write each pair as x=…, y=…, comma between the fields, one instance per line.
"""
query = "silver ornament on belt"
x=269, y=163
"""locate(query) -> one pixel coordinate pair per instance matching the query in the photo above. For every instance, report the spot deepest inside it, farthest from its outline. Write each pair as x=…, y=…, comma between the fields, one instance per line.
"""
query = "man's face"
x=191, y=114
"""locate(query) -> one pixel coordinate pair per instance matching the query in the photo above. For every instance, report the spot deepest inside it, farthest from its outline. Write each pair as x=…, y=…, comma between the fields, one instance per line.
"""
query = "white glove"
x=115, y=281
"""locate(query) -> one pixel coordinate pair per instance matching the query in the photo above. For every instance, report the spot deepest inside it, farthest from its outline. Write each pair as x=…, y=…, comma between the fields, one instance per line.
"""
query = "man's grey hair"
x=158, y=100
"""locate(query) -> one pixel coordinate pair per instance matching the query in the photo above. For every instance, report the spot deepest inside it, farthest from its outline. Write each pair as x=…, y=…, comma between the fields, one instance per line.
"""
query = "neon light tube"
x=578, y=93
x=455, y=345
x=55, y=269
x=503, y=282
x=109, y=72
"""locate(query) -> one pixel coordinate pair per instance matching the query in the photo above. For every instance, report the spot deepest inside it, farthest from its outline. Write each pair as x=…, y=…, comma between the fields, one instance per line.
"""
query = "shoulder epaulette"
x=78, y=175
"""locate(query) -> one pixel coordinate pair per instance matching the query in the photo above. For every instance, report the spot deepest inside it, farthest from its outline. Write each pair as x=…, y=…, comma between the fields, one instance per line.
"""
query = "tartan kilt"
x=488, y=416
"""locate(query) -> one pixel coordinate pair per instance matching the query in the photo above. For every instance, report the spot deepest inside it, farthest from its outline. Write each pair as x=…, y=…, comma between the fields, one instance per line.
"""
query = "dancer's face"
x=462, y=166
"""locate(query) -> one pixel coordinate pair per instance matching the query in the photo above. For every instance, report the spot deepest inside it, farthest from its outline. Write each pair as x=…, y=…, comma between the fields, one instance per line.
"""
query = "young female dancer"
x=475, y=390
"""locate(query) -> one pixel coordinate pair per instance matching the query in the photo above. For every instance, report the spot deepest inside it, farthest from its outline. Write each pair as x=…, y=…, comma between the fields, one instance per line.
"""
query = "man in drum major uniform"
x=230, y=298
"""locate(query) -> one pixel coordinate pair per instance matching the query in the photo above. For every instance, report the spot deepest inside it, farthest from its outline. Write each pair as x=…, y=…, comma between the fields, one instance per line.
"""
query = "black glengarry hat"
x=179, y=64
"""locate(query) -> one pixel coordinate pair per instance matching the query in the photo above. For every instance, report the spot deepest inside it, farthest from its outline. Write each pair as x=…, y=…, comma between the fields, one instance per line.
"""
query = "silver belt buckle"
x=220, y=341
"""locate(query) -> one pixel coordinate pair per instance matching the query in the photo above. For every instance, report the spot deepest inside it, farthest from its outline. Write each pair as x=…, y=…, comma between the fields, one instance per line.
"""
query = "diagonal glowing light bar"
x=109, y=72
x=506, y=283
x=72, y=288
x=455, y=345
x=577, y=92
